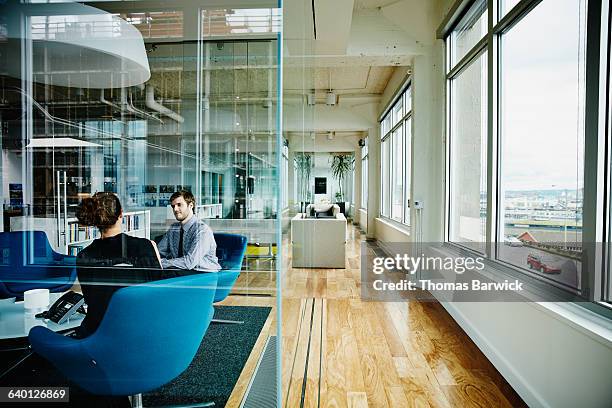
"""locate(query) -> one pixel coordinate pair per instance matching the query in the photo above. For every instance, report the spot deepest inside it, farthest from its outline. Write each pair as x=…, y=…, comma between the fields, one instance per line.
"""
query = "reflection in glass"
x=176, y=115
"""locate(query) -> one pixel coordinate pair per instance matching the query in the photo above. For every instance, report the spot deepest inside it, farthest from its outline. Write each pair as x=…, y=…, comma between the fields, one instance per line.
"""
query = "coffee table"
x=16, y=323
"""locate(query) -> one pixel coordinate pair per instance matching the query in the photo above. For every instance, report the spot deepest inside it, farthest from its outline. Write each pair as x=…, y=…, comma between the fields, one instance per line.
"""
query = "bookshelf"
x=207, y=211
x=135, y=223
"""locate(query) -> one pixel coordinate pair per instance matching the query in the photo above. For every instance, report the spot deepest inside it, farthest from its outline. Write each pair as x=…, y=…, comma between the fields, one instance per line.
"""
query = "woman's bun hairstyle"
x=102, y=210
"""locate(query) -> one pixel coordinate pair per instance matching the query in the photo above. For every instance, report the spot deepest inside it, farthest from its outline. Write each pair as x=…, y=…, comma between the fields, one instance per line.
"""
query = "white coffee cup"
x=35, y=300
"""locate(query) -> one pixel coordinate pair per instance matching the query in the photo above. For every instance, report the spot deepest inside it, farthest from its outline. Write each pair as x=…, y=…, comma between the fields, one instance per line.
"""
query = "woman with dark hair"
x=100, y=266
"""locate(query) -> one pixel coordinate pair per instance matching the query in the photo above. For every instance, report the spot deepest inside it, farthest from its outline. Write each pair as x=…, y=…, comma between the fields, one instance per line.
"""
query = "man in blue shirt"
x=189, y=243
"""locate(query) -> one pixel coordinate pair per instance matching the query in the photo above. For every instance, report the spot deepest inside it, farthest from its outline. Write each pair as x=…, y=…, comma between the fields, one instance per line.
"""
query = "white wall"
x=548, y=360
x=386, y=231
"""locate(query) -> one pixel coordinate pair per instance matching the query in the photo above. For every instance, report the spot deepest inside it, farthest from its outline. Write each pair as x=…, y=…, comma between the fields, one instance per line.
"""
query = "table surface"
x=16, y=323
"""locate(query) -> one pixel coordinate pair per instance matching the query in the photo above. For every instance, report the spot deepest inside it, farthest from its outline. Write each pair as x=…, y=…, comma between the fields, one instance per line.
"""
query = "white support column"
x=428, y=157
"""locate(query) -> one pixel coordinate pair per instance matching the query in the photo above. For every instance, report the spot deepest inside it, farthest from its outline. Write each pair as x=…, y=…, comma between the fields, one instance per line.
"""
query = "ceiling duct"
x=152, y=104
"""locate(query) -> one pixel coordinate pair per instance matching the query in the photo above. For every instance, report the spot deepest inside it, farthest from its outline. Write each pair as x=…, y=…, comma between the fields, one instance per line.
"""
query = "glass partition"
x=141, y=102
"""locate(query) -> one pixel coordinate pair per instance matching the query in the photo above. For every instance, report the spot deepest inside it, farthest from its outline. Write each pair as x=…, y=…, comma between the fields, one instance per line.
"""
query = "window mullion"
x=492, y=133
x=595, y=117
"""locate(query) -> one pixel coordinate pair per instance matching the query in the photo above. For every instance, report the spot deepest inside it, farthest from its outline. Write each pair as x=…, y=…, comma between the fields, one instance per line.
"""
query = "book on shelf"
x=78, y=233
x=78, y=237
x=74, y=249
x=131, y=222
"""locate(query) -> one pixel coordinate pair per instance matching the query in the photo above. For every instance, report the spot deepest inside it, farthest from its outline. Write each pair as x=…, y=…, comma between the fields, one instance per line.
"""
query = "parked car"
x=536, y=262
x=512, y=241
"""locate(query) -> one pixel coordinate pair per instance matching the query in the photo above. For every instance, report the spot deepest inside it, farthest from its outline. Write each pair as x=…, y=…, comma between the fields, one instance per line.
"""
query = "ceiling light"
x=330, y=135
x=59, y=142
x=105, y=59
x=313, y=135
x=330, y=99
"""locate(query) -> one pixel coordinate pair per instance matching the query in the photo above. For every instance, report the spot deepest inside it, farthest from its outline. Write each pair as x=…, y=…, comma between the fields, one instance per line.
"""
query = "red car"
x=535, y=262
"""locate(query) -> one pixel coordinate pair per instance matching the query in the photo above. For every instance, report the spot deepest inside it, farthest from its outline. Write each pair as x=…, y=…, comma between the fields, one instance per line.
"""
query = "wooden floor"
x=338, y=351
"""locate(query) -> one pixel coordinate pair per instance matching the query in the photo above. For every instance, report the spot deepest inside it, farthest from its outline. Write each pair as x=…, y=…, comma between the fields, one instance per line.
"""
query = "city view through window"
x=542, y=152
x=540, y=159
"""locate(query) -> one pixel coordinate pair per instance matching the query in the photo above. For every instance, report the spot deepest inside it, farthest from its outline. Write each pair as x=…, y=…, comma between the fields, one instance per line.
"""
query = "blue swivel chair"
x=29, y=262
x=230, y=253
x=148, y=336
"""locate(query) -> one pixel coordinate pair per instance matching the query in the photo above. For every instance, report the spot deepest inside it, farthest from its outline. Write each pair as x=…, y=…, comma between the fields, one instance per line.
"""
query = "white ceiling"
x=357, y=41
x=344, y=80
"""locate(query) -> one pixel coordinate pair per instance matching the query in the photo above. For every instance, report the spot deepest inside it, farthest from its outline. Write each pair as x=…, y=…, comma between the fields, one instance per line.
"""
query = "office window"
x=545, y=178
x=468, y=149
x=542, y=155
x=407, y=161
x=395, y=159
x=385, y=164
x=364, y=176
x=397, y=174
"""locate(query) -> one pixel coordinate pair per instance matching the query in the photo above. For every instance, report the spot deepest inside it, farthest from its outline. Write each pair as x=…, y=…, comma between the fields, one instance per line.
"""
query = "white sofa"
x=318, y=242
x=322, y=207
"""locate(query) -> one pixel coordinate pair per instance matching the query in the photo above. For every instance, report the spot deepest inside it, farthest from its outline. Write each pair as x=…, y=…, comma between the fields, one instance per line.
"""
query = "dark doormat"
x=219, y=361
x=210, y=377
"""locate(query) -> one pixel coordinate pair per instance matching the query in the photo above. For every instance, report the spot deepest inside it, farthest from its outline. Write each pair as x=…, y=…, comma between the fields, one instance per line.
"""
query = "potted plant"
x=304, y=165
x=341, y=165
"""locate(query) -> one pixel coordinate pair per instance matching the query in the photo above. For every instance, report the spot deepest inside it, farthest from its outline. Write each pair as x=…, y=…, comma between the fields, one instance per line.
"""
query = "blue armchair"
x=230, y=253
x=29, y=262
x=148, y=336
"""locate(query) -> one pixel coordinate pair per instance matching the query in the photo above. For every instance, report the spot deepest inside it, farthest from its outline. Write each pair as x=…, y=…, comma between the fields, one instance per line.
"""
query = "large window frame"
x=396, y=122
x=597, y=227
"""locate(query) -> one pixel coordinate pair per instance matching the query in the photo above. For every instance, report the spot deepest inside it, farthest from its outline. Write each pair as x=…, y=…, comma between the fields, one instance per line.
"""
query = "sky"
x=543, y=95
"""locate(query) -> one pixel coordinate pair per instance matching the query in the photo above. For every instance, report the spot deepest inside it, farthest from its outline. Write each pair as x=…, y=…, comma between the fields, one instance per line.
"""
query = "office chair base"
x=222, y=321
x=136, y=401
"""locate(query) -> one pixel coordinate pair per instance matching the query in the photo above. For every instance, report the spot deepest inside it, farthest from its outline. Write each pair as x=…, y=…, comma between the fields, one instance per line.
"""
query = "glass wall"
x=180, y=114
x=140, y=101
x=396, y=158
